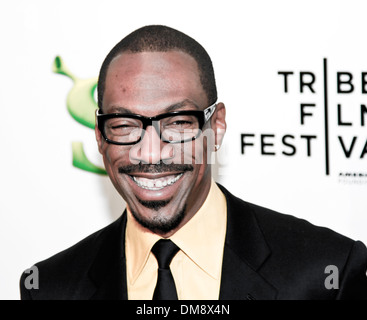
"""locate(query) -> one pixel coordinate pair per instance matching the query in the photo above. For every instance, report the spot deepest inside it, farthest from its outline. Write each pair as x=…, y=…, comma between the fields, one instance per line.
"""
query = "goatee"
x=159, y=223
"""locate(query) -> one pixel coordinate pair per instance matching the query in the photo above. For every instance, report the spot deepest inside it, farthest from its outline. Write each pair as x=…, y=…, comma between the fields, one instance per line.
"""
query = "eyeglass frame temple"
x=209, y=111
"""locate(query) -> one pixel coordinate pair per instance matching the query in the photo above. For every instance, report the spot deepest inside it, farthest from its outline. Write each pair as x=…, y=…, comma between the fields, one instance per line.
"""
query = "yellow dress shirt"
x=197, y=267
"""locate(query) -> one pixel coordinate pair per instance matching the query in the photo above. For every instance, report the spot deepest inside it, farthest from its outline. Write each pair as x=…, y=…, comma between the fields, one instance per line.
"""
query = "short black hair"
x=158, y=38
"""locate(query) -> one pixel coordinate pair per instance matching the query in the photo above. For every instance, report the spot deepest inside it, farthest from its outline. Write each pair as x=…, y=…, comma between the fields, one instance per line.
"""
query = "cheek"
x=195, y=152
x=114, y=156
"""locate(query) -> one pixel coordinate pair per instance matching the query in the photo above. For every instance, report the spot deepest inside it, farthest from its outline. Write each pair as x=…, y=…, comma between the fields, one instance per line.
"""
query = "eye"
x=122, y=126
x=180, y=122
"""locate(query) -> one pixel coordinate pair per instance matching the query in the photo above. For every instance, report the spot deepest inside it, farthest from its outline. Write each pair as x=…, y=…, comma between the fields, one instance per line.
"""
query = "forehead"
x=146, y=82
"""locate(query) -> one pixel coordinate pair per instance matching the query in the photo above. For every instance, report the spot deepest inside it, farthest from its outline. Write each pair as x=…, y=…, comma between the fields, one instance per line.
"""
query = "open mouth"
x=156, y=184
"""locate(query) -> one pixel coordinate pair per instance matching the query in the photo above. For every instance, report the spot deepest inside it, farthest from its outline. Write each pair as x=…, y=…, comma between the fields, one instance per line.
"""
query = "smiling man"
x=182, y=236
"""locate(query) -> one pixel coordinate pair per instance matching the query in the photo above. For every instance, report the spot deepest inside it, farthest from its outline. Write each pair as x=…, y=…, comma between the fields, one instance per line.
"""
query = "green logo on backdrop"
x=81, y=106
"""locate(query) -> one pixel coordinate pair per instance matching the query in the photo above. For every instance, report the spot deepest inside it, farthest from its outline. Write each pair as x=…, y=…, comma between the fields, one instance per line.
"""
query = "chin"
x=158, y=221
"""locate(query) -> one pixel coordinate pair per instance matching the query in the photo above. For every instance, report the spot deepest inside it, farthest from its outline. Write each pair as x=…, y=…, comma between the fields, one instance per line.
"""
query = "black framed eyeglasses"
x=173, y=127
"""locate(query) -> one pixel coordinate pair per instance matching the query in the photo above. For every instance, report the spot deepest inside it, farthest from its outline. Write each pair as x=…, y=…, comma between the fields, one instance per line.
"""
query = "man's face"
x=161, y=197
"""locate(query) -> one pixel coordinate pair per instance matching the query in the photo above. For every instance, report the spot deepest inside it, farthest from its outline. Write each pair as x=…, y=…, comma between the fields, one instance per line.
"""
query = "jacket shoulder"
x=69, y=268
x=305, y=256
x=300, y=253
x=82, y=252
x=285, y=228
x=298, y=233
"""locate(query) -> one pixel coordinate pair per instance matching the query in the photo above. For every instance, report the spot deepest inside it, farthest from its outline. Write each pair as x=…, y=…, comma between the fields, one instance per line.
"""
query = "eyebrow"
x=181, y=104
x=171, y=108
x=119, y=109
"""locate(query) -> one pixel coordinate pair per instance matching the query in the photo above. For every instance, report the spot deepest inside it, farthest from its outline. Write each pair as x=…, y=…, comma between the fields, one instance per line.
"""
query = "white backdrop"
x=47, y=205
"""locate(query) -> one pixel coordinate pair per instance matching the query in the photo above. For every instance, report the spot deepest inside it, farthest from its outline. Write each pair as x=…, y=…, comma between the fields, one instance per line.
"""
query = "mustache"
x=155, y=168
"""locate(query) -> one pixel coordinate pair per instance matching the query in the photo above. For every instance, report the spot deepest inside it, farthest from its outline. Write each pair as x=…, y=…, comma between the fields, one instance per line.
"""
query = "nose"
x=150, y=150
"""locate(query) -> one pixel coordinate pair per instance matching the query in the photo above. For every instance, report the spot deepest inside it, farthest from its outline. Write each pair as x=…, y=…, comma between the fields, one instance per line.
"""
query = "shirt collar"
x=199, y=239
x=202, y=237
x=139, y=242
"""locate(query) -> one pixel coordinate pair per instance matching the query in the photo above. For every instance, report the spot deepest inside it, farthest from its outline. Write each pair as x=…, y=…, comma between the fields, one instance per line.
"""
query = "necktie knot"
x=164, y=251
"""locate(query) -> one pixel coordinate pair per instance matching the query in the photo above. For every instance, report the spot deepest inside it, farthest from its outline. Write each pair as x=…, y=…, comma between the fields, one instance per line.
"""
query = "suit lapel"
x=108, y=272
x=245, y=251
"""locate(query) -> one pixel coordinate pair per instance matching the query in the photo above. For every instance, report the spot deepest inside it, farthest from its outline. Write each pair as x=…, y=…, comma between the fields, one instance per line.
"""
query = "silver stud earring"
x=216, y=147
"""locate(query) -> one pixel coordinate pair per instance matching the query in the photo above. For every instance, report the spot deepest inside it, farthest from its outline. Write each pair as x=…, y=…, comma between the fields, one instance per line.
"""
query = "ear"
x=218, y=123
x=99, y=138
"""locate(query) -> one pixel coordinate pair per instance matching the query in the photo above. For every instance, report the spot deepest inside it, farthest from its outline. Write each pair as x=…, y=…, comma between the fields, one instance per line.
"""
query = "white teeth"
x=150, y=184
x=156, y=184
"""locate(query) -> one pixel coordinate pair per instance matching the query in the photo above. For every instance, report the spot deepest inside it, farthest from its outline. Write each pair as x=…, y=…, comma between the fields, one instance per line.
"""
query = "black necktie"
x=164, y=251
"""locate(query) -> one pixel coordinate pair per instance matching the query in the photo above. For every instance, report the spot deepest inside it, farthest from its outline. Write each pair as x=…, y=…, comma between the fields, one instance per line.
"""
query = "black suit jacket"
x=267, y=256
